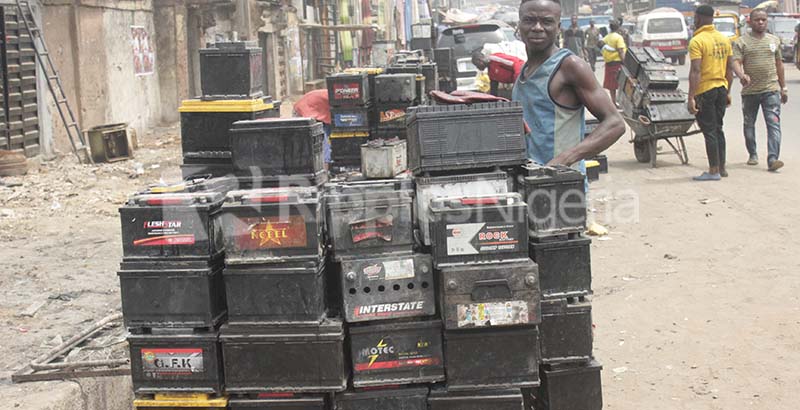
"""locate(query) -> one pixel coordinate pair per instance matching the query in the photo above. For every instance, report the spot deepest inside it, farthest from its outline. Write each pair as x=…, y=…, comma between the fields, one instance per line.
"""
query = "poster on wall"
x=144, y=59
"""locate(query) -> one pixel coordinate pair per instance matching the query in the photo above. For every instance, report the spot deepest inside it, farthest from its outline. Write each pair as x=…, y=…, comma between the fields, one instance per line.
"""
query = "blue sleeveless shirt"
x=554, y=128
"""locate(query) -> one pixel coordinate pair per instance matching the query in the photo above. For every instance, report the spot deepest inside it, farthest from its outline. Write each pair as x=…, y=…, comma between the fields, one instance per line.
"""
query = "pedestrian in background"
x=592, y=39
x=613, y=53
x=575, y=39
x=759, y=65
x=315, y=105
x=709, y=94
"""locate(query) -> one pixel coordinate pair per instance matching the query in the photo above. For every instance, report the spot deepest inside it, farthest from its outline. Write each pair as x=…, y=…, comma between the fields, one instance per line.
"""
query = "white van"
x=665, y=29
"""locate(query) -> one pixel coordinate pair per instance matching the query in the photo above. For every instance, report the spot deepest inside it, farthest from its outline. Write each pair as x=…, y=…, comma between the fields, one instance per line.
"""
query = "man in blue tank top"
x=554, y=88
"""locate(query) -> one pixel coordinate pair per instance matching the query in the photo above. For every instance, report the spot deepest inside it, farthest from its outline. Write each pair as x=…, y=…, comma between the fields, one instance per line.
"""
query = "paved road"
x=696, y=288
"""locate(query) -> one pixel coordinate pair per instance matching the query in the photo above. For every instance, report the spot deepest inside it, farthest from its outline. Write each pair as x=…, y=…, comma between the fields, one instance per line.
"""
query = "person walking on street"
x=574, y=38
x=613, y=55
x=710, y=75
x=759, y=64
x=592, y=38
x=555, y=89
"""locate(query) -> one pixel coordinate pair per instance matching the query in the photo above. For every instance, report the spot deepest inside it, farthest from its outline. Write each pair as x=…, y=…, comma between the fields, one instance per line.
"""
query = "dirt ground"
x=696, y=286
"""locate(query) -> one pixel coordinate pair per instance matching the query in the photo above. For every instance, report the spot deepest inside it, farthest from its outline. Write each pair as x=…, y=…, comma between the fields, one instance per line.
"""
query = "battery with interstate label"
x=397, y=353
x=478, y=229
x=388, y=288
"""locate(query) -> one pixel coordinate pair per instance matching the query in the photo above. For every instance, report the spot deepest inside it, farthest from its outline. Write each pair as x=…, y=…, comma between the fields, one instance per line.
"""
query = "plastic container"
x=441, y=399
x=566, y=331
x=556, y=200
x=284, y=358
x=205, y=125
x=565, y=266
x=176, y=360
x=178, y=226
x=181, y=298
x=397, y=353
x=166, y=401
x=485, y=228
x=383, y=158
x=392, y=116
x=468, y=185
x=396, y=88
x=414, y=398
x=359, y=118
x=282, y=293
x=346, y=147
x=279, y=401
x=489, y=295
x=278, y=146
x=348, y=89
x=369, y=218
x=455, y=137
x=571, y=387
x=231, y=70
x=499, y=358
x=388, y=288
x=272, y=225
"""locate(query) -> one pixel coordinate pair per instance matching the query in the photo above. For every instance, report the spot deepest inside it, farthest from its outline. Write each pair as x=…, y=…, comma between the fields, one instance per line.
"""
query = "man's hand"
x=559, y=160
x=745, y=80
x=692, y=106
x=784, y=96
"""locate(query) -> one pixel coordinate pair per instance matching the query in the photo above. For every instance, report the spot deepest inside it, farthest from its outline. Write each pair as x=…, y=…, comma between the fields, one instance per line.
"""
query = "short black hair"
x=761, y=10
x=705, y=10
x=554, y=1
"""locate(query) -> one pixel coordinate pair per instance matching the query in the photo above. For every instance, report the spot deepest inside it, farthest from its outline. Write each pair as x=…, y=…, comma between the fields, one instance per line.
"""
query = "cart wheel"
x=641, y=149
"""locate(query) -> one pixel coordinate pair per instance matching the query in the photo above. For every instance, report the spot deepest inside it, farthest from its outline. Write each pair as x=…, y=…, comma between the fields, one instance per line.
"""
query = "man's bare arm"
x=781, y=79
x=694, y=80
x=581, y=78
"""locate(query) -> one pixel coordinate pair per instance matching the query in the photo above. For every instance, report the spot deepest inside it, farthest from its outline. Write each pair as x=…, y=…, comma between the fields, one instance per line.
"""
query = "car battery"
x=279, y=401
x=284, y=358
x=193, y=167
x=176, y=360
x=286, y=146
x=359, y=118
x=272, y=225
x=392, y=116
x=412, y=398
x=489, y=295
x=167, y=401
x=442, y=399
x=396, y=88
x=478, y=229
x=369, y=217
x=556, y=200
x=571, y=387
x=444, y=138
x=201, y=183
x=431, y=73
x=397, y=353
x=174, y=226
x=371, y=72
x=231, y=70
x=348, y=89
x=172, y=297
x=384, y=158
x=386, y=133
x=282, y=293
x=205, y=125
x=497, y=358
x=566, y=331
x=428, y=188
x=281, y=181
x=346, y=147
x=664, y=96
x=387, y=288
x=565, y=266
x=658, y=76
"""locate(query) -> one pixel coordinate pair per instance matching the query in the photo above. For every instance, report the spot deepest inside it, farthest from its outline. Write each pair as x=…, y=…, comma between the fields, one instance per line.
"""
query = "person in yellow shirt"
x=709, y=94
x=613, y=54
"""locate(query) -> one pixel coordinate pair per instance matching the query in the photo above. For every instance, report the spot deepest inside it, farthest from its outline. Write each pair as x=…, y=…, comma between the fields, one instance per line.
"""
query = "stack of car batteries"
x=394, y=95
x=353, y=115
x=232, y=90
x=173, y=296
x=649, y=95
x=556, y=220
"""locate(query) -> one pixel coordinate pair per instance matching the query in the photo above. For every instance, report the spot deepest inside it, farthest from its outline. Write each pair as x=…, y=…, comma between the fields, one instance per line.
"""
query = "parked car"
x=664, y=29
x=783, y=27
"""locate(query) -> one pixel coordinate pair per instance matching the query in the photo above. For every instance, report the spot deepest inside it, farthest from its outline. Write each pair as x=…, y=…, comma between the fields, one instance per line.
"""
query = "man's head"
x=613, y=26
x=591, y=23
x=574, y=21
x=479, y=60
x=758, y=21
x=703, y=16
x=539, y=23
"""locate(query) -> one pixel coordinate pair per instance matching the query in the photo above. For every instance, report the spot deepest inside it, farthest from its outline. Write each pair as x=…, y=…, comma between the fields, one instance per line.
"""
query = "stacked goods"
x=394, y=95
x=649, y=95
x=19, y=130
x=352, y=116
x=557, y=217
x=232, y=90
